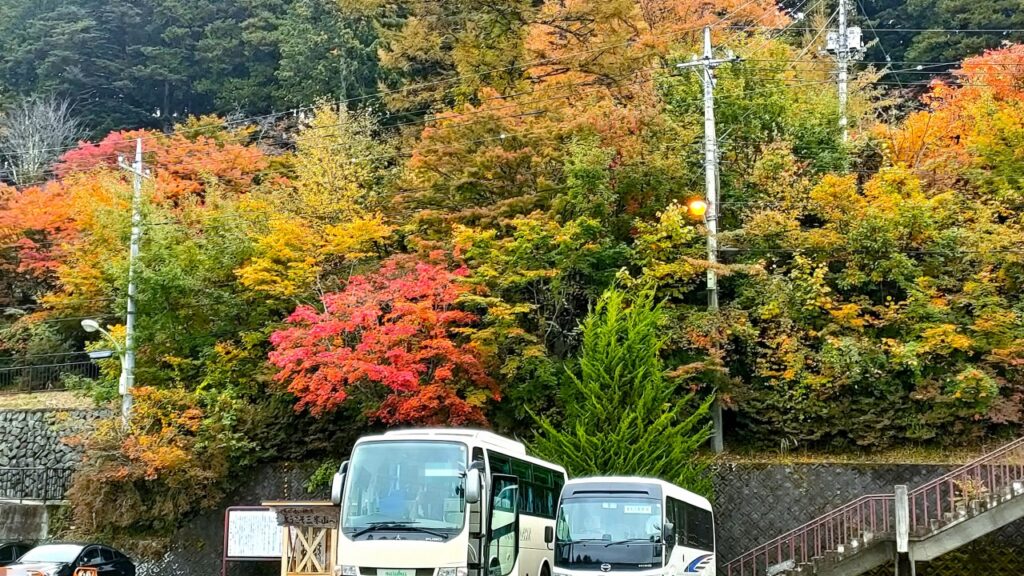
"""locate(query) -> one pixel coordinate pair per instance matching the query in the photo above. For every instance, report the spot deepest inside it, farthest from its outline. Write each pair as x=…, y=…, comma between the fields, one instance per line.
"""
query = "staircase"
x=923, y=524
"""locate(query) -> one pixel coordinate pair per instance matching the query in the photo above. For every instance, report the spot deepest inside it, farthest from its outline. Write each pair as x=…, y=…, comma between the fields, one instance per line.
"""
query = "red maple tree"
x=183, y=164
x=398, y=327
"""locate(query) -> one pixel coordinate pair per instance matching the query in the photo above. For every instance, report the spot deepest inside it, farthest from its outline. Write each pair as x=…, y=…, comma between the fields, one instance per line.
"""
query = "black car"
x=11, y=551
x=64, y=559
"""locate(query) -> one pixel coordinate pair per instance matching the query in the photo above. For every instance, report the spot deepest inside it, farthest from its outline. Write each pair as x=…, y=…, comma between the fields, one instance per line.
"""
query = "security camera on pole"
x=708, y=63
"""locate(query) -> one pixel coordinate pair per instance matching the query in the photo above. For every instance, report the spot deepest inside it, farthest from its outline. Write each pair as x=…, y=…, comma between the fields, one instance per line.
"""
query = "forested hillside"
x=150, y=63
x=372, y=214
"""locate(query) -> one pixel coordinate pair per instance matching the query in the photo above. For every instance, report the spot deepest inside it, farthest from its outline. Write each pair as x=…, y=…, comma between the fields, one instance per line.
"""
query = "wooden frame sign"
x=308, y=516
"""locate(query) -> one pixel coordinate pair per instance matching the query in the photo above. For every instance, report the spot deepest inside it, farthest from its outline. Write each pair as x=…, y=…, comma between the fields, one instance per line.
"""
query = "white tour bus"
x=445, y=502
x=636, y=526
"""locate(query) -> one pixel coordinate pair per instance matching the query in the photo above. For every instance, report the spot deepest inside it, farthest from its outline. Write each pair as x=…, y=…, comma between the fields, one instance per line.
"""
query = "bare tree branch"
x=33, y=135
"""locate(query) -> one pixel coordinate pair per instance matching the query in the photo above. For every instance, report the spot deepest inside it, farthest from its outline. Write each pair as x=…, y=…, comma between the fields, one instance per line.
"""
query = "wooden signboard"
x=310, y=536
x=308, y=516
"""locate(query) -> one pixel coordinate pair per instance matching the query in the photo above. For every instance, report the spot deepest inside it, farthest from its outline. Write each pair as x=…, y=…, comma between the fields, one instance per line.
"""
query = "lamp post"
x=127, y=369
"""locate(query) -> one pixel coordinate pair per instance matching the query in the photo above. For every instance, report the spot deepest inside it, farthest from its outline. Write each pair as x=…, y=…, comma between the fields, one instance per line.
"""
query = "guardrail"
x=868, y=514
x=16, y=376
x=993, y=477
x=34, y=484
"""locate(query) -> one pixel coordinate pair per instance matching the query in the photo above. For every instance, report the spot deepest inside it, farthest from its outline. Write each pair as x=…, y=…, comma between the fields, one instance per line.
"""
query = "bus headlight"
x=346, y=570
x=460, y=571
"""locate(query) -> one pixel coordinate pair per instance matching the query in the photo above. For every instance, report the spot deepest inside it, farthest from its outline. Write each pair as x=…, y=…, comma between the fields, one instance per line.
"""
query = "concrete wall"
x=34, y=438
x=23, y=521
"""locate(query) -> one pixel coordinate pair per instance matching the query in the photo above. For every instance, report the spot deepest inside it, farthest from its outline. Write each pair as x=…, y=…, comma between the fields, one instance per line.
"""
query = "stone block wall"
x=34, y=438
x=196, y=550
x=757, y=502
x=754, y=503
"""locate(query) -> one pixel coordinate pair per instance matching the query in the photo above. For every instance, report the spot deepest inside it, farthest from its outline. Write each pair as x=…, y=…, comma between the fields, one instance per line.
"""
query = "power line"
x=921, y=30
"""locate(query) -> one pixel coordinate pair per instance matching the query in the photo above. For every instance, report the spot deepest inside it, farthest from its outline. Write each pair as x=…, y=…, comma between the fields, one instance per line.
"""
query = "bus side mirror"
x=338, y=484
x=668, y=532
x=549, y=535
x=474, y=486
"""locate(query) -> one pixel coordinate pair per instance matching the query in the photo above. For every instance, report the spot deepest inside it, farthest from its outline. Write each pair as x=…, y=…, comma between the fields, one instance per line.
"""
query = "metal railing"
x=866, y=515
x=993, y=477
x=34, y=484
x=17, y=375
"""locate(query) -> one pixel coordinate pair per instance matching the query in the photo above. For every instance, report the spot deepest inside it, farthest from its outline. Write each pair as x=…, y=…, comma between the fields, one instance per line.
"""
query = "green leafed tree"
x=622, y=414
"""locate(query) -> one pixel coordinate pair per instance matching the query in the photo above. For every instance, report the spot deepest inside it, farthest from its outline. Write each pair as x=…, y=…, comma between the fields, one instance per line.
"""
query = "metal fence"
x=47, y=373
x=34, y=484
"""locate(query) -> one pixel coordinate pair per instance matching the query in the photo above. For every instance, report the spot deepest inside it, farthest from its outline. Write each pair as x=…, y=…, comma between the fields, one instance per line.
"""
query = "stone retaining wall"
x=754, y=503
x=35, y=438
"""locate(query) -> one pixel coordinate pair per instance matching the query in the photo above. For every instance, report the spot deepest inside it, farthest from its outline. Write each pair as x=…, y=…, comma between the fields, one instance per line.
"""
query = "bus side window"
x=671, y=511
x=700, y=530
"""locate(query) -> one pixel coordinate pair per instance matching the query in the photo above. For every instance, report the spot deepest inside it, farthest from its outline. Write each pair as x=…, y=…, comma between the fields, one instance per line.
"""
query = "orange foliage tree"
x=972, y=122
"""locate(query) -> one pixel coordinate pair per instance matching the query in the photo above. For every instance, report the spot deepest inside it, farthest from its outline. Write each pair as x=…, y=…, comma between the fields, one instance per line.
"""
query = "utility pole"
x=128, y=360
x=846, y=44
x=708, y=63
x=844, y=66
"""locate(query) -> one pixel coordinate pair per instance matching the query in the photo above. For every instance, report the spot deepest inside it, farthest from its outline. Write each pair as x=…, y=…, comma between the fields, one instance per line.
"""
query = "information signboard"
x=252, y=534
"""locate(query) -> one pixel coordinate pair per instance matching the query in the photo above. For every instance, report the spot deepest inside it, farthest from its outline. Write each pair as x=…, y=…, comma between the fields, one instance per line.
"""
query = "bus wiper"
x=407, y=526
x=629, y=540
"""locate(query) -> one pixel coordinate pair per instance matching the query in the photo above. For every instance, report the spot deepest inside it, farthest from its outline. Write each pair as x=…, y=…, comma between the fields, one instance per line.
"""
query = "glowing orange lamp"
x=698, y=207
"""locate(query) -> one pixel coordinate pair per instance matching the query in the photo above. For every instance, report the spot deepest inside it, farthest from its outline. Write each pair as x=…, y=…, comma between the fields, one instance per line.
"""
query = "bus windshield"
x=406, y=485
x=623, y=532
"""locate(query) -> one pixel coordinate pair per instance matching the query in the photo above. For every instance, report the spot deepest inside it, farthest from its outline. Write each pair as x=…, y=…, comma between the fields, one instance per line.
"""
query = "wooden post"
x=286, y=550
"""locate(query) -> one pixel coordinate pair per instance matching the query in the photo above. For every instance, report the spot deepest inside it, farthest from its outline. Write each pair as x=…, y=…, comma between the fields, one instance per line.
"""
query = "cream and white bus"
x=635, y=526
x=445, y=502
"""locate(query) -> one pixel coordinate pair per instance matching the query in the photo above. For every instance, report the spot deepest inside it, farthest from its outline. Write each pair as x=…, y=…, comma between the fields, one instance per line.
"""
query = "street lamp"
x=697, y=207
x=127, y=366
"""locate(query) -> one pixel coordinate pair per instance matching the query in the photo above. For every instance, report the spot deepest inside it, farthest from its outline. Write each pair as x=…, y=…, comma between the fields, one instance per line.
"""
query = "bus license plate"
x=395, y=572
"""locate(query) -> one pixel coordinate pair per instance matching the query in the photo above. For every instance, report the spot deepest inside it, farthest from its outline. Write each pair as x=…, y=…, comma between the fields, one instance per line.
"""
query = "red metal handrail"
x=998, y=474
x=851, y=521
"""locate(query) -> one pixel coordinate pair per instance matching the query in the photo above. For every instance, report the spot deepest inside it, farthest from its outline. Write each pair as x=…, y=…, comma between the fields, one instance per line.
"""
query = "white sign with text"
x=253, y=534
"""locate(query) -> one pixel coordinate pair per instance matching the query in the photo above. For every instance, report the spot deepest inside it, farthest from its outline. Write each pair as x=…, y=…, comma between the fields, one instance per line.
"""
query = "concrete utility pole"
x=708, y=63
x=846, y=45
x=128, y=360
x=844, y=66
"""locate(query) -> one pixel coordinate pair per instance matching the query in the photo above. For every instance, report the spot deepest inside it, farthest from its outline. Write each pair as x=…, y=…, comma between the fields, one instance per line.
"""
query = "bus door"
x=503, y=525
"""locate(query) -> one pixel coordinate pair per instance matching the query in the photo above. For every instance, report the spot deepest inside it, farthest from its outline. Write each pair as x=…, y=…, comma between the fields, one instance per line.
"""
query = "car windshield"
x=414, y=485
x=623, y=532
x=60, y=553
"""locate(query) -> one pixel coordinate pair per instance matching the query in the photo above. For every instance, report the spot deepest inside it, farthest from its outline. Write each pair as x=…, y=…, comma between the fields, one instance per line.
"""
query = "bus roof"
x=597, y=483
x=481, y=437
